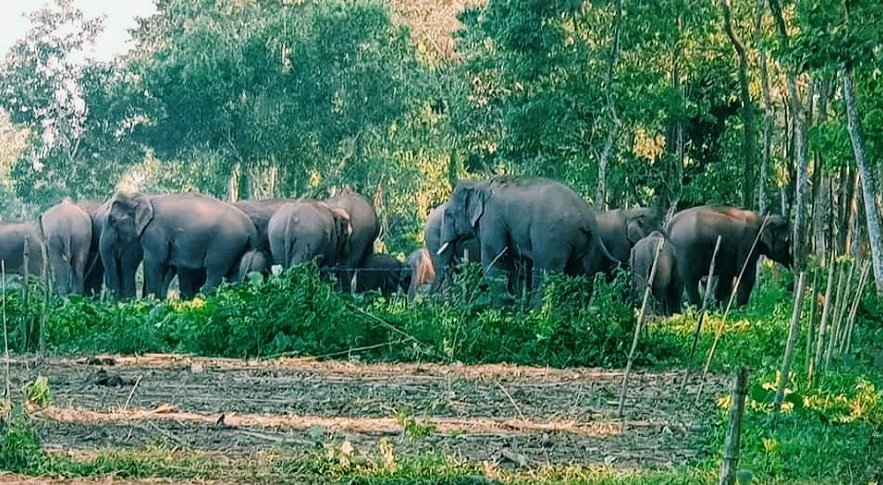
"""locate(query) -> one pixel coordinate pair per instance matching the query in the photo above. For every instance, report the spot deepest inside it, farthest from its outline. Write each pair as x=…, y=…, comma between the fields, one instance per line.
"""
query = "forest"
x=772, y=106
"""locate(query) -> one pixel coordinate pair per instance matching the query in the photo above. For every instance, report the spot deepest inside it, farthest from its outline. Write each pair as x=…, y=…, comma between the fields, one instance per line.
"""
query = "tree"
x=73, y=107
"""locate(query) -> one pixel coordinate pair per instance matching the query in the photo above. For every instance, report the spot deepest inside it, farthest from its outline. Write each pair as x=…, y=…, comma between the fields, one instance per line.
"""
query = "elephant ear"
x=143, y=214
x=343, y=226
x=635, y=228
x=474, y=206
x=772, y=230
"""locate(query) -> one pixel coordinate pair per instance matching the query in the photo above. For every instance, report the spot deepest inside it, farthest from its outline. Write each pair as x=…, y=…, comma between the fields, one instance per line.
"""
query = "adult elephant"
x=308, y=230
x=365, y=229
x=93, y=279
x=693, y=232
x=12, y=246
x=667, y=287
x=67, y=231
x=260, y=212
x=380, y=272
x=193, y=235
x=537, y=219
x=620, y=229
x=465, y=248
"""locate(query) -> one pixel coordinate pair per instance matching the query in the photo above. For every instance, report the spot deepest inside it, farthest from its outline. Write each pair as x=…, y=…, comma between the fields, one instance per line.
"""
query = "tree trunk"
x=802, y=173
x=749, y=137
x=610, y=141
x=819, y=183
x=872, y=215
x=763, y=179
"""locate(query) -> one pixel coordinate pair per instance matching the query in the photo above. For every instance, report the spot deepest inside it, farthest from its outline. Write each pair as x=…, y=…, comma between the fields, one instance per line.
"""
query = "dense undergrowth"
x=827, y=432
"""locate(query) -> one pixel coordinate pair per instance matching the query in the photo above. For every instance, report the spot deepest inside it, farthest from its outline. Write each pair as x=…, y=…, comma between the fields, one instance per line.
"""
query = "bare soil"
x=507, y=414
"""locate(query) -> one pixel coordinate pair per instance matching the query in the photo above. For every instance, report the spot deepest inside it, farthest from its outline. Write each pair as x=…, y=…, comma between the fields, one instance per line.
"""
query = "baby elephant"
x=667, y=287
x=380, y=272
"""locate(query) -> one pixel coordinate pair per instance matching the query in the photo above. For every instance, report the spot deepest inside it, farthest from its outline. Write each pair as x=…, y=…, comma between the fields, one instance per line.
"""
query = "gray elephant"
x=418, y=271
x=260, y=212
x=537, y=219
x=12, y=244
x=466, y=248
x=693, y=233
x=667, y=287
x=380, y=272
x=199, y=238
x=93, y=279
x=67, y=231
x=308, y=230
x=623, y=228
x=365, y=229
x=254, y=261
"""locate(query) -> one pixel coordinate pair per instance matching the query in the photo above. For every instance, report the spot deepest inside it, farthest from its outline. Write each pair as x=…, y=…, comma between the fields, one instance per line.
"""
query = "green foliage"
x=20, y=449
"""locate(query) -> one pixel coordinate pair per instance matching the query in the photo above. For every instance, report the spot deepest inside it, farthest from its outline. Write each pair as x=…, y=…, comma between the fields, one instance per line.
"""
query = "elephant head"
x=775, y=240
x=462, y=214
x=641, y=222
x=129, y=215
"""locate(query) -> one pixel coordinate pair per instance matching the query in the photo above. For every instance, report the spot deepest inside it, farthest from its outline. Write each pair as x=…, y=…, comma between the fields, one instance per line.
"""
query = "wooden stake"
x=641, y=315
x=826, y=311
x=8, y=394
x=836, y=308
x=852, y=311
x=25, y=296
x=734, y=430
x=837, y=335
x=793, y=333
x=807, y=366
x=720, y=328
x=702, y=312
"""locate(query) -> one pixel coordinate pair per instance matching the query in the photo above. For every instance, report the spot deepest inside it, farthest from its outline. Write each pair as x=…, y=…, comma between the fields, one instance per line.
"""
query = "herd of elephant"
x=522, y=228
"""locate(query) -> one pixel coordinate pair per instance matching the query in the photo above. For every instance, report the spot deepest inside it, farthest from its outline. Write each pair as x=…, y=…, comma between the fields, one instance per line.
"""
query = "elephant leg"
x=154, y=278
x=190, y=281
x=544, y=263
x=127, y=266
x=672, y=301
x=691, y=285
x=724, y=289
x=746, y=286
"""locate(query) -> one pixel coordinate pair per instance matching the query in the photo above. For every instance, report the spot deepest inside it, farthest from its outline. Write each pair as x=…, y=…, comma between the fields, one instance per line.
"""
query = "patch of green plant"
x=20, y=448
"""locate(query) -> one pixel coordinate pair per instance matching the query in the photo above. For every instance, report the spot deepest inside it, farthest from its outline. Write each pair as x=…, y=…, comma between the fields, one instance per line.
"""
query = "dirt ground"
x=519, y=415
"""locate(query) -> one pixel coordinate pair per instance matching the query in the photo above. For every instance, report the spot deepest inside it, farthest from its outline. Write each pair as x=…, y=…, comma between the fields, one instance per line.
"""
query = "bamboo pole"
x=641, y=316
x=793, y=333
x=852, y=312
x=720, y=328
x=826, y=312
x=807, y=366
x=25, y=296
x=734, y=430
x=854, y=269
x=702, y=312
x=8, y=394
x=836, y=309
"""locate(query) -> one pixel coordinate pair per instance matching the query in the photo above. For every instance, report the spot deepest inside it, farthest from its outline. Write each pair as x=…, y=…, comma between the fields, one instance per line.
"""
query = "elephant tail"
x=288, y=241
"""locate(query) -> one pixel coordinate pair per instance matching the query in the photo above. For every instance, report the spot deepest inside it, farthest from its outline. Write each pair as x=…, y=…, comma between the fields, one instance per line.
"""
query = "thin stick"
x=131, y=393
x=706, y=299
x=511, y=400
x=720, y=327
x=5, y=329
x=809, y=328
x=855, y=269
x=852, y=312
x=836, y=308
x=734, y=431
x=826, y=311
x=25, y=297
x=840, y=334
x=46, y=293
x=793, y=333
x=631, y=360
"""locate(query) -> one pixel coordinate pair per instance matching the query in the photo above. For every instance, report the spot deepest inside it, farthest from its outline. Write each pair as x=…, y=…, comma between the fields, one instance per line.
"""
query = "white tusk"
x=442, y=248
